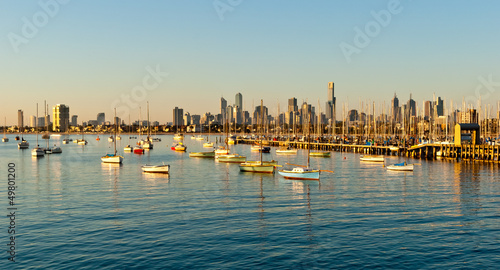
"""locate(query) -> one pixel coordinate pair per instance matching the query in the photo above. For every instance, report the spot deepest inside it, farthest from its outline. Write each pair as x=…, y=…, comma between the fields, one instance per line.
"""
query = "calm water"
x=74, y=212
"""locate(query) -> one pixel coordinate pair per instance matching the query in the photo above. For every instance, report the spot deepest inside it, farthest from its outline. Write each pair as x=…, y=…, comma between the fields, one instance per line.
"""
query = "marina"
x=429, y=216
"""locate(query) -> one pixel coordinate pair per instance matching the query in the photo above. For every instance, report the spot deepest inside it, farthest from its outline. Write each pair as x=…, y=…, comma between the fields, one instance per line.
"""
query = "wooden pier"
x=465, y=152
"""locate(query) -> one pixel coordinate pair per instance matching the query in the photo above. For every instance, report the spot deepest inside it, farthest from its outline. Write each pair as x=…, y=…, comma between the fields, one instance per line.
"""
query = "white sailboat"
x=259, y=167
x=5, y=139
x=112, y=158
x=128, y=148
x=228, y=158
x=148, y=143
x=37, y=151
x=301, y=172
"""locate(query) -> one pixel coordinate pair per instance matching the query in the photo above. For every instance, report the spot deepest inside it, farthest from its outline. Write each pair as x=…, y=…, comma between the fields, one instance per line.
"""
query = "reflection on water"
x=206, y=213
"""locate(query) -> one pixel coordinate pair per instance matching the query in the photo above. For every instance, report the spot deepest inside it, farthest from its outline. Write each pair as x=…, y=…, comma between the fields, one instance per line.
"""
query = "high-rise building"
x=439, y=107
x=411, y=108
x=74, y=120
x=61, y=118
x=223, y=106
x=187, y=119
x=395, y=109
x=330, y=103
x=292, y=105
x=238, y=101
x=469, y=116
x=20, y=119
x=177, y=116
x=40, y=122
x=427, y=110
x=101, y=118
x=32, y=121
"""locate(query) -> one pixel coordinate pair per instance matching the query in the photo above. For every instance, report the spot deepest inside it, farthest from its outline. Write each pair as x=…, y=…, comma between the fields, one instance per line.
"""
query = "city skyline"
x=92, y=57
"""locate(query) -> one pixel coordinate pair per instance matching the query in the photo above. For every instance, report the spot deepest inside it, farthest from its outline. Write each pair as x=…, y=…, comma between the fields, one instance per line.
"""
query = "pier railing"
x=465, y=152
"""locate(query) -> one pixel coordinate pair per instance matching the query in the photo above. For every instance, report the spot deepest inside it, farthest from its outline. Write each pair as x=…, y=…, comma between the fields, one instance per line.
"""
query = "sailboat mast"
x=115, y=133
x=36, y=128
x=149, y=127
x=308, y=138
x=261, y=123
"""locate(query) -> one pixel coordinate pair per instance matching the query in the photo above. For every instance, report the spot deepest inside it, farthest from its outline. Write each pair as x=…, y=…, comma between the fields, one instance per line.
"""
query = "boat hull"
x=209, y=144
x=210, y=154
x=308, y=175
x=372, y=158
x=112, y=159
x=319, y=154
x=231, y=159
x=23, y=145
x=37, y=152
x=405, y=168
x=257, y=168
x=286, y=152
x=156, y=169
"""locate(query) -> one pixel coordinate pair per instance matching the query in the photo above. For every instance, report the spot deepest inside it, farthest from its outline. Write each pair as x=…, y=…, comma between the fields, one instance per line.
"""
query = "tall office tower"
x=101, y=118
x=223, y=106
x=330, y=103
x=20, y=120
x=412, y=108
x=61, y=117
x=395, y=109
x=292, y=105
x=427, y=110
x=177, y=116
x=238, y=108
x=187, y=119
x=439, y=107
x=33, y=121
x=74, y=120
x=40, y=122
x=238, y=101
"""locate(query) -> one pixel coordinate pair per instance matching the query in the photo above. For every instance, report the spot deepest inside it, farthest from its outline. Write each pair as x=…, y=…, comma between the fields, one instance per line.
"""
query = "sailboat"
x=261, y=166
x=5, y=139
x=229, y=158
x=23, y=144
x=81, y=141
x=301, y=172
x=209, y=143
x=403, y=166
x=112, y=158
x=128, y=148
x=148, y=143
x=37, y=151
x=46, y=136
x=138, y=148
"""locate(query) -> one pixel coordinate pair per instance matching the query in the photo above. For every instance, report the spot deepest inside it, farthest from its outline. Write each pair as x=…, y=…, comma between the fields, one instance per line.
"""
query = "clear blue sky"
x=88, y=54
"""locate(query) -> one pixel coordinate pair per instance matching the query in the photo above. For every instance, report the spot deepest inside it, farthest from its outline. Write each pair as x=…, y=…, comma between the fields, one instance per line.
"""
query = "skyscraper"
x=439, y=107
x=412, y=108
x=20, y=119
x=101, y=118
x=223, y=106
x=177, y=116
x=238, y=100
x=330, y=103
x=33, y=121
x=292, y=105
x=61, y=118
x=74, y=120
x=238, y=108
x=395, y=109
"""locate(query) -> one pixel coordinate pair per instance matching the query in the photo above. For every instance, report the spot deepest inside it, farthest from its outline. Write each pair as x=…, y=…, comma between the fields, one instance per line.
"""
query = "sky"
x=98, y=55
